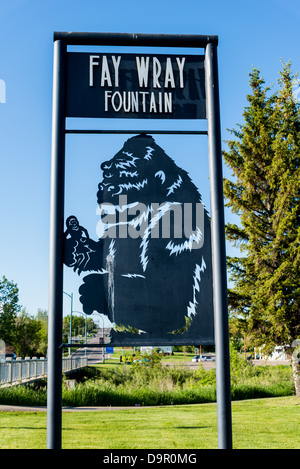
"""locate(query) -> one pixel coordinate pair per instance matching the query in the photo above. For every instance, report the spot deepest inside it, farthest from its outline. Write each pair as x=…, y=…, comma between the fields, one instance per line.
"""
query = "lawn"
x=257, y=424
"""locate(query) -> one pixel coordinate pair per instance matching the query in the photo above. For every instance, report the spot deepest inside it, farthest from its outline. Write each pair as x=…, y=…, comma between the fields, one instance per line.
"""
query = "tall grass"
x=130, y=385
x=24, y=395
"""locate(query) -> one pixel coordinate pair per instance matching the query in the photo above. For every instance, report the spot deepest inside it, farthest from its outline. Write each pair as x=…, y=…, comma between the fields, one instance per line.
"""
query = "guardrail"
x=30, y=369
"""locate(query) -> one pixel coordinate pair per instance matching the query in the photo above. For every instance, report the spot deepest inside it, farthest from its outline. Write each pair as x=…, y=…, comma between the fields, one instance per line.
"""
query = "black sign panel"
x=135, y=86
x=150, y=269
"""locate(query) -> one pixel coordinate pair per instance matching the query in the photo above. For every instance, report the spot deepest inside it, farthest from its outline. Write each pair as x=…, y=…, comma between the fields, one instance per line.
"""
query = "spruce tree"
x=264, y=158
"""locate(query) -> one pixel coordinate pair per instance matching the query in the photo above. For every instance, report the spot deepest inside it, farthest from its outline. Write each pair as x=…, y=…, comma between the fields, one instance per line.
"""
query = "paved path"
x=94, y=354
x=16, y=408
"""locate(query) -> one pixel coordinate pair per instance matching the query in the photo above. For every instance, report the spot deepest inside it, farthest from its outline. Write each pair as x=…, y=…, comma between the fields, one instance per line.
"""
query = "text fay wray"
x=150, y=71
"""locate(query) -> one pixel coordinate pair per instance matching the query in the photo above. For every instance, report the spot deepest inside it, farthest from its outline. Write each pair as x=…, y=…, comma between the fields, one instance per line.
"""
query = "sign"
x=135, y=86
x=150, y=270
x=160, y=86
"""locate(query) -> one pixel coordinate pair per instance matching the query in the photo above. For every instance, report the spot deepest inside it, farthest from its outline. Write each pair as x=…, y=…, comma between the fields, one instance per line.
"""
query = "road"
x=207, y=365
x=94, y=354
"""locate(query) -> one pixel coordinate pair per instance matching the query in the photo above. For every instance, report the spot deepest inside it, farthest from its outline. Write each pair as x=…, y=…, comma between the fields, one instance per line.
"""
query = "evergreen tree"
x=264, y=157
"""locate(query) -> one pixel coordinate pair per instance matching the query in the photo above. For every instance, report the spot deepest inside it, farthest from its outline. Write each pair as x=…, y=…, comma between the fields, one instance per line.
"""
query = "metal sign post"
x=218, y=250
x=54, y=391
x=65, y=64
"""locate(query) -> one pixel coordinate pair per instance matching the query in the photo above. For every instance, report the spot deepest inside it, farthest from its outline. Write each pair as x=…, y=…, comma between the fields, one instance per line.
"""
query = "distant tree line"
x=27, y=335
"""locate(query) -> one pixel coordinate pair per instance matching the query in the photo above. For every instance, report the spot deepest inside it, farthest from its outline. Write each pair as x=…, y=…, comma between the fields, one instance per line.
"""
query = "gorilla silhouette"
x=151, y=270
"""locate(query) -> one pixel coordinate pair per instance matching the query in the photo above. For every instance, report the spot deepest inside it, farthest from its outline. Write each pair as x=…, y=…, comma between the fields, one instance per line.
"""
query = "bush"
x=23, y=395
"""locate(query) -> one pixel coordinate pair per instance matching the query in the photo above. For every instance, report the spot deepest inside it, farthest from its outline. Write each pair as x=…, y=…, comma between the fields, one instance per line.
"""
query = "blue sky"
x=256, y=33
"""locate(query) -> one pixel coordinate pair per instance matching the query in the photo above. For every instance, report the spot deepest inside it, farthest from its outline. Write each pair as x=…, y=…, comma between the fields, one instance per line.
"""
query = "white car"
x=208, y=359
x=196, y=358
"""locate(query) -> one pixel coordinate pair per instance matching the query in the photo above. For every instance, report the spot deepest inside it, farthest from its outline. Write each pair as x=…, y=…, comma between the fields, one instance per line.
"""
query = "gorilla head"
x=143, y=172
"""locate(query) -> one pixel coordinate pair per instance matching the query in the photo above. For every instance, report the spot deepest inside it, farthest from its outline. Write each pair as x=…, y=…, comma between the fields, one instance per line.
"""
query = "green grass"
x=172, y=422
x=176, y=358
x=257, y=424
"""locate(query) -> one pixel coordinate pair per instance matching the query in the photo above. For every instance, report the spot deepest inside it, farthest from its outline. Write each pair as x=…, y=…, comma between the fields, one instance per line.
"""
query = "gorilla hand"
x=93, y=293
